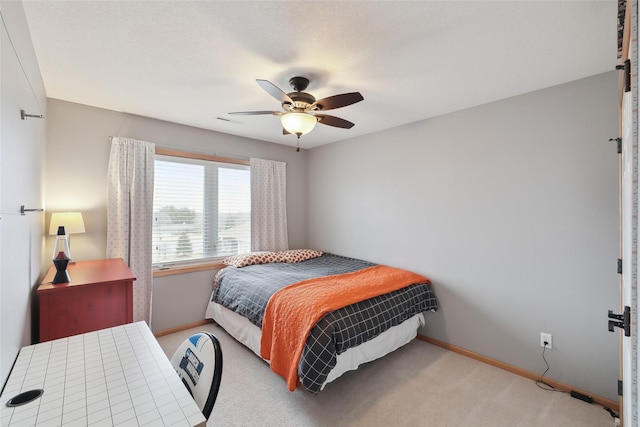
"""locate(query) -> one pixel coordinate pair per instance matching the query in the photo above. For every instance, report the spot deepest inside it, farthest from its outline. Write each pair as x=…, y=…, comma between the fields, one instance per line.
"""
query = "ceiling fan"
x=297, y=106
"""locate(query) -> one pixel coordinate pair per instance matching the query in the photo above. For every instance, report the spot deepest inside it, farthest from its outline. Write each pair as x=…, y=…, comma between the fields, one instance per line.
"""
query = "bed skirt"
x=395, y=337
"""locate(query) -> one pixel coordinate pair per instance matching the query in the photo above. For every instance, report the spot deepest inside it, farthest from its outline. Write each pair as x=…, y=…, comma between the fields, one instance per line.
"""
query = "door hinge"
x=627, y=76
x=622, y=321
x=619, y=266
x=618, y=143
x=626, y=67
x=619, y=387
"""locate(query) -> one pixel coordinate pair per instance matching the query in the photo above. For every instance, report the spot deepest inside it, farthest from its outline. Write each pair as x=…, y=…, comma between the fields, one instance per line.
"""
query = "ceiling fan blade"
x=285, y=132
x=336, y=101
x=274, y=91
x=253, y=113
x=334, y=121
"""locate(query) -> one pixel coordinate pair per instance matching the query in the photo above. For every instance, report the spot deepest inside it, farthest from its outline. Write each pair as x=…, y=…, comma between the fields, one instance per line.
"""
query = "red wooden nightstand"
x=100, y=295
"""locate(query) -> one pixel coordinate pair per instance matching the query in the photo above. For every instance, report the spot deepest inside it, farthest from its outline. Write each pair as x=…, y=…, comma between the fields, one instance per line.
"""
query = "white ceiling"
x=191, y=62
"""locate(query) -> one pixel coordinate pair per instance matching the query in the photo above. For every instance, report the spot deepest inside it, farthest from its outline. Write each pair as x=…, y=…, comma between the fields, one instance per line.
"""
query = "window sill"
x=187, y=268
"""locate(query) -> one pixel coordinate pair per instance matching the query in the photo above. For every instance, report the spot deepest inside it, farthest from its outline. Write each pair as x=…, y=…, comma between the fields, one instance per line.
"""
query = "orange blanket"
x=292, y=311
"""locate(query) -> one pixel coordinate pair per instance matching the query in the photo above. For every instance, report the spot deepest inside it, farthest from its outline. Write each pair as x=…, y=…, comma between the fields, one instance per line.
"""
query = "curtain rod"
x=170, y=147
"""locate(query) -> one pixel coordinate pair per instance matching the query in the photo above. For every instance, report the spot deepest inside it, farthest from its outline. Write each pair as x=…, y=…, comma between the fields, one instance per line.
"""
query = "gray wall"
x=21, y=155
x=511, y=208
x=77, y=158
x=181, y=299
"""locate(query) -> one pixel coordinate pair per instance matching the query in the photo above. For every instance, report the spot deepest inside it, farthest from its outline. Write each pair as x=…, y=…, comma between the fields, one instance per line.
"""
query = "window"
x=201, y=208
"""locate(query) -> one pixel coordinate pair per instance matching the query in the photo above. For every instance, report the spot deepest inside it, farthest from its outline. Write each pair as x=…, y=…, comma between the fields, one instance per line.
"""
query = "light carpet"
x=418, y=385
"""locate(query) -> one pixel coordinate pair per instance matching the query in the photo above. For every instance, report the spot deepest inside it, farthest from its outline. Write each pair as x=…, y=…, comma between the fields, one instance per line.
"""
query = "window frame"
x=206, y=263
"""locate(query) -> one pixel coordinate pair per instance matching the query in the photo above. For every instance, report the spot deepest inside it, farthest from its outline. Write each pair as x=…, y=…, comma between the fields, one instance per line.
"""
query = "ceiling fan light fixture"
x=298, y=123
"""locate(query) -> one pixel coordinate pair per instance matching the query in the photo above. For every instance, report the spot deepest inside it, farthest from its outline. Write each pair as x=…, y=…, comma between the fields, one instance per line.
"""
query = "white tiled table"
x=113, y=377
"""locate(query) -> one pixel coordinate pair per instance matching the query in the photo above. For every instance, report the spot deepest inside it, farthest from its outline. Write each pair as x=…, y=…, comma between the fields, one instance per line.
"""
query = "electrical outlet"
x=545, y=337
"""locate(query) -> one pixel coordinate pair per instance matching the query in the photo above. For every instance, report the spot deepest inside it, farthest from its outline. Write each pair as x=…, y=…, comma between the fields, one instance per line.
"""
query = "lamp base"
x=62, y=276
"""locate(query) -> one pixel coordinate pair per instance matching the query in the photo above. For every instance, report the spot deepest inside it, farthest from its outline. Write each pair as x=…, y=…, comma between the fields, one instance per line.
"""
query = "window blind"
x=201, y=209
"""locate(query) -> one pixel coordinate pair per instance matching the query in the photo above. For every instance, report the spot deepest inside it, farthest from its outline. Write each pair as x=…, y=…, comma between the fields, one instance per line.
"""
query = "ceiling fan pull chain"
x=298, y=146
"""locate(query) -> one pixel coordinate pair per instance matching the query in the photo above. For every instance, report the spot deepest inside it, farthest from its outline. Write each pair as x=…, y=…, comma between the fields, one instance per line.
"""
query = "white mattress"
x=249, y=334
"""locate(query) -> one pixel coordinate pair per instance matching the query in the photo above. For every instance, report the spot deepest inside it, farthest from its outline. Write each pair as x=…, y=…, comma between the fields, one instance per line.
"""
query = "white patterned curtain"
x=130, y=215
x=268, y=205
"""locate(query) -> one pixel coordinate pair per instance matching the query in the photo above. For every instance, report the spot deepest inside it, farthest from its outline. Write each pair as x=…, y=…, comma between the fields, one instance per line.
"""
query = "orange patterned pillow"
x=298, y=255
x=252, y=258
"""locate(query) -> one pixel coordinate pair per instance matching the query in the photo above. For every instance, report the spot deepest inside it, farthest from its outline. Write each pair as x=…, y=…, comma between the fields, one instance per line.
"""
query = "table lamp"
x=61, y=257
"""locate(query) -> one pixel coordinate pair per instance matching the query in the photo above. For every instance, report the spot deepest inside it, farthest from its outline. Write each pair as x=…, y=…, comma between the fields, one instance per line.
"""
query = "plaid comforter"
x=247, y=290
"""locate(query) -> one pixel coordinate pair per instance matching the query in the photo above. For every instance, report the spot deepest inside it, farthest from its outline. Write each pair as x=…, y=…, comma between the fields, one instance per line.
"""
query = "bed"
x=343, y=311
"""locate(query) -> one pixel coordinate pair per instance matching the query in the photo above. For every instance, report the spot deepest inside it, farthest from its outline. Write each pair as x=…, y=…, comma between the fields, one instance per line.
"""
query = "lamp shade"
x=71, y=221
x=298, y=123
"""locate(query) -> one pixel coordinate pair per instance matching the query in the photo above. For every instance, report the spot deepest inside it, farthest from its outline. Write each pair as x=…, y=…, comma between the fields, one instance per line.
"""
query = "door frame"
x=629, y=214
